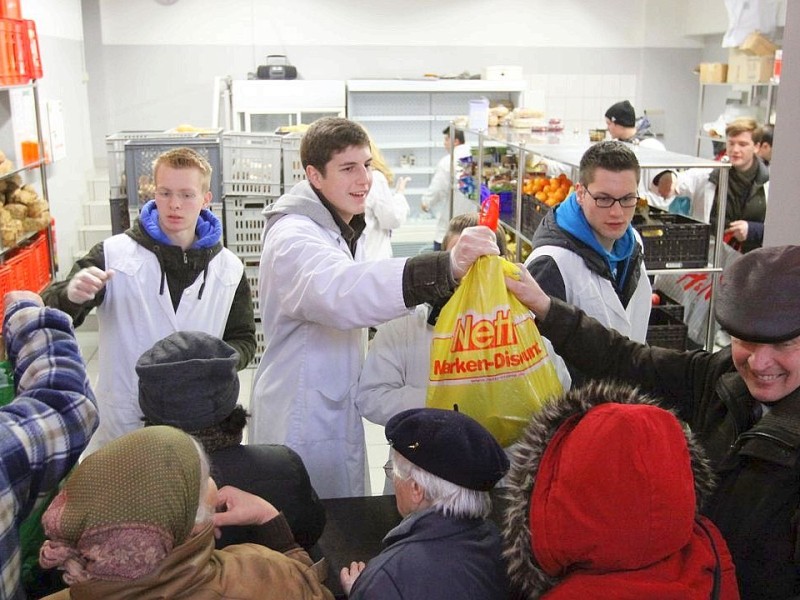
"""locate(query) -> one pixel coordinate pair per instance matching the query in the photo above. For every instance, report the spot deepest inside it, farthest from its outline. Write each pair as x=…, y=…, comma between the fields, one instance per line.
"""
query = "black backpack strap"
x=715, y=590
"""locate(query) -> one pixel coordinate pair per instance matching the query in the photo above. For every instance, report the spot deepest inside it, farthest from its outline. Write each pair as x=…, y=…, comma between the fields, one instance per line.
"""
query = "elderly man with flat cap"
x=444, y=463
x=743, y=403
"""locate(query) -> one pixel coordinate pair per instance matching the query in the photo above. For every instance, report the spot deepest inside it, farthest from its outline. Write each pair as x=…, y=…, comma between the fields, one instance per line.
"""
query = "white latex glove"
x=473, y=243
x=86, y=283
x=400, y=186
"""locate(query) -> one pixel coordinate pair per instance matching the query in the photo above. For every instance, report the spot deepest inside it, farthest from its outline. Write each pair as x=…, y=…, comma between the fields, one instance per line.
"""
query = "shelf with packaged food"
x=24, y=214
x=406, y=117
x=568, y=150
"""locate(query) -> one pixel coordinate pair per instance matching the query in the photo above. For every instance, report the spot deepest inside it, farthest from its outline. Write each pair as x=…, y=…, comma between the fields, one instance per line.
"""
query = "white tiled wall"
x=580, y=101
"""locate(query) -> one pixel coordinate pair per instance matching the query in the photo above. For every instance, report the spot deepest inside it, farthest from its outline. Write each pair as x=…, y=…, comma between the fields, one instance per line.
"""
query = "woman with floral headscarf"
x=136, y=520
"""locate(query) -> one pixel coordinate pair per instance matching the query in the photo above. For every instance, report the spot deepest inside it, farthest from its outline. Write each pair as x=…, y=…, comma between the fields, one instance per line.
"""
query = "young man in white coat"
x=317, y=294
x=587, y=253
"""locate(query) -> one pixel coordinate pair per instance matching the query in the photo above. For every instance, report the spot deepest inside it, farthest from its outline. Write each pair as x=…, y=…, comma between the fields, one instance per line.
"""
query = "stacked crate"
x=130, y=168
x=252, y=180
x=20, y=61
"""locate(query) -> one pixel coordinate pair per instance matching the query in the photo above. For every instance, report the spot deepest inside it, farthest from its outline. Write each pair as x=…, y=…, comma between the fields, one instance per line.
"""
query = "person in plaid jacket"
x=48, y=424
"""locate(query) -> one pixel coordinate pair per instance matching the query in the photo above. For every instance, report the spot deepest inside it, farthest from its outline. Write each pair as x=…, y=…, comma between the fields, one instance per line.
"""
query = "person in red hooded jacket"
x=605, y=489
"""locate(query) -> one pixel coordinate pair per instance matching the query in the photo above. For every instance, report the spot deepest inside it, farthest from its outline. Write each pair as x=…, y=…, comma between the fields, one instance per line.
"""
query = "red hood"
x=603, y=492
x=614, y=491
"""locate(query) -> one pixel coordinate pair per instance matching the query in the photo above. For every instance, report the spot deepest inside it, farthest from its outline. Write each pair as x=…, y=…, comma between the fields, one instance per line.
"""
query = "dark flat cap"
x=759, y=295
x=450, y=445
x=622, y=113
x=188, y=380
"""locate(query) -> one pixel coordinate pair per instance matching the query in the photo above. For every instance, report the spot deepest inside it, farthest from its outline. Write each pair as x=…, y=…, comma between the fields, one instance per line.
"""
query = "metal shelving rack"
x=407, y=116
x=760, y=97
x=570, y=153
x=39, y=166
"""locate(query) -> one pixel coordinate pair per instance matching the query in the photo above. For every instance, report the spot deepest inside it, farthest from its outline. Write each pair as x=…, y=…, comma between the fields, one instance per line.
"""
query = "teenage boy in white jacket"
x=317, y=293
x=587, y=253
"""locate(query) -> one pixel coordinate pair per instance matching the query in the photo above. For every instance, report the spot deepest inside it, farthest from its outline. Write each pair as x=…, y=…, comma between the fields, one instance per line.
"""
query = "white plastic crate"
x=244, y=223
x=115, y=146
x=292, y=166
x=252, y=164
x=140, y=155
x=259, y=345
x=251, y=272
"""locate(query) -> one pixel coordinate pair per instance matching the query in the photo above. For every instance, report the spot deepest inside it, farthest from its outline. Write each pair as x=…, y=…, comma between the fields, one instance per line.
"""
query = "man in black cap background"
x=444, y=463
x=189, y=380
x=623, y=125
x=743, y=403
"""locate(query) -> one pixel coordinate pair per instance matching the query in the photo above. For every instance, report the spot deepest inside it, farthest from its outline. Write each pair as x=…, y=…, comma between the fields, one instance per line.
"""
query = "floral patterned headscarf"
x=124, y=508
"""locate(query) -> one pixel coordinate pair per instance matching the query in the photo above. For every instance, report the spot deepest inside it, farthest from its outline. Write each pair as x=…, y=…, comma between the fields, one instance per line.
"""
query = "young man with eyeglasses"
x=585, y=251
x=169, y=272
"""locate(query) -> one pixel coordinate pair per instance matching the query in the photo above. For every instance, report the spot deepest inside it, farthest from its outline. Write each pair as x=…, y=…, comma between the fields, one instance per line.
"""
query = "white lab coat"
x=315, y=298
x=696, y=184
x=385, y=210
x=437, y=196
x=133, y=317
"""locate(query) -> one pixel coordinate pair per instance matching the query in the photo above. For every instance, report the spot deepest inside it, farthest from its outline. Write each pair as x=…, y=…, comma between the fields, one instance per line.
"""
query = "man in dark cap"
x=444, y=463
x=743, y=403
x=623, y=126
x=188, y=380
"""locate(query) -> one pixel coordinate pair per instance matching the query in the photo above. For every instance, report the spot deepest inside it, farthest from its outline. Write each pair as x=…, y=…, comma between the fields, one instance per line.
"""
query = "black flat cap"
x=450, y=445
x=622, y=113
x=759, y=295
x=188, y=380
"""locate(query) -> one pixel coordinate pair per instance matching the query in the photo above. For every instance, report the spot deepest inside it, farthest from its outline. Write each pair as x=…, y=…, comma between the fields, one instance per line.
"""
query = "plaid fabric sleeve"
x=45, y=428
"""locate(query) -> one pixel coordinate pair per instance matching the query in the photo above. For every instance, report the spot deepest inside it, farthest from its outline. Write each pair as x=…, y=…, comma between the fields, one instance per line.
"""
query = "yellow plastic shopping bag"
x=487, y=355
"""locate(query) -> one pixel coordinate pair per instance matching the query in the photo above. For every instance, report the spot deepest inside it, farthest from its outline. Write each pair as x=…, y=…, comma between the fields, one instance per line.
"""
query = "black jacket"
x=277, y=474
x=432, y=557
x=756, y=460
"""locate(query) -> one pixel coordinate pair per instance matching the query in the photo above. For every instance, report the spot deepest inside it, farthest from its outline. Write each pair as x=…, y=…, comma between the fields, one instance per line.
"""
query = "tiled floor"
x=377, y=448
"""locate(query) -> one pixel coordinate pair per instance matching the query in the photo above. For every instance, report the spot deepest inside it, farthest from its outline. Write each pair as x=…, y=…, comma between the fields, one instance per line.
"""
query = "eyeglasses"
x=388, y=468
x=607, y=201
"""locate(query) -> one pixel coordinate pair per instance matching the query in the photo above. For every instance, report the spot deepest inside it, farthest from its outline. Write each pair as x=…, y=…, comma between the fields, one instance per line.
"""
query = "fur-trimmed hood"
x=585, y=525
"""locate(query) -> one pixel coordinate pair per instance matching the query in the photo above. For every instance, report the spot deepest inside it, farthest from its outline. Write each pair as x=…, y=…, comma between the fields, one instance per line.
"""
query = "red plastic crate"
x=33, y=60
x=13, y=41
x=10, y=9
x=5, y=286
x=19, y=271
x=40, y=263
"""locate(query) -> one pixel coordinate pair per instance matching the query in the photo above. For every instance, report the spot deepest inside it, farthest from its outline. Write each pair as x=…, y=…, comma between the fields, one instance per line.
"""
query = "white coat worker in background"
x=585, y=250
x=386, y=209
x=318, y=293
x=436, y=198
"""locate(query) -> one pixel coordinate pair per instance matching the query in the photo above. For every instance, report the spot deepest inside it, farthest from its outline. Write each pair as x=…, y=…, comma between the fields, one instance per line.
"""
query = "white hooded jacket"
x=315, y=300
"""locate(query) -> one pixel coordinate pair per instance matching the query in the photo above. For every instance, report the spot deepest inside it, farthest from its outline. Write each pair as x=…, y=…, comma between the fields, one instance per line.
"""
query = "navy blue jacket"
x=430, y=556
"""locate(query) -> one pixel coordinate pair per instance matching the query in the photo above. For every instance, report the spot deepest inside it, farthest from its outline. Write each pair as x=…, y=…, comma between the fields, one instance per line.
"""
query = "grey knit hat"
x=188, y=380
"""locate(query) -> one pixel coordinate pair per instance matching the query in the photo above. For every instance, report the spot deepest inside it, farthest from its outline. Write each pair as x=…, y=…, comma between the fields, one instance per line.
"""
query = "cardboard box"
x=758, y=45
x=713, y=72
x=749, y=68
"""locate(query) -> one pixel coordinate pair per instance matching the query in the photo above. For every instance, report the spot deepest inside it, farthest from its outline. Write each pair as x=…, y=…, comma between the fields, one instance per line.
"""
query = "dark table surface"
x=356, y=527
